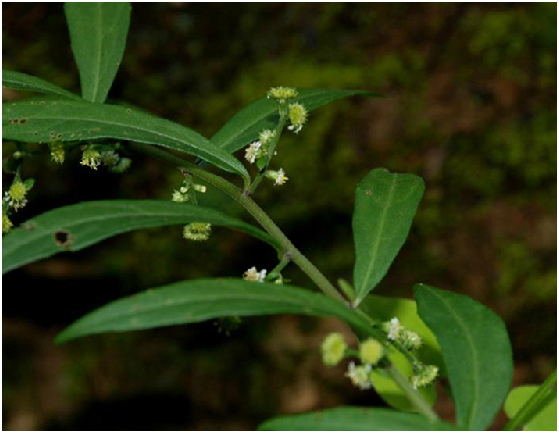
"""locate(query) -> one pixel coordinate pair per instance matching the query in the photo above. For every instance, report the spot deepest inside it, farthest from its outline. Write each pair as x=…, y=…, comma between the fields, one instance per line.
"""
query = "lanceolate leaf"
x=383, y=309
x=385, y=204
x=43, y=121
x=354, y=419
x=98, y=36
x=199, y=300
x=261, y=114
x=78, y=226
x=19, y=81
x=476, y=351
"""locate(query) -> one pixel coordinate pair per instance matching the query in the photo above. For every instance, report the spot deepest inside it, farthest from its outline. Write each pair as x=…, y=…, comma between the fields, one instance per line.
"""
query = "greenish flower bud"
x=298, y=116
x=333, y=349
x=6, y=223
x=370, y=351
x=425, y=375
x=282, y=93
x=91, y=158
x=57, y=152
x=410, y=340
x=197, y=231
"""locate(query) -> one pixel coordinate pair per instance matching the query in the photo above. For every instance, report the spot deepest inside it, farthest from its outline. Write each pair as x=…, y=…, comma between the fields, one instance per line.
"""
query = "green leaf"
x=383, y=309
x=19, y=81
x=98, y=36
x=354, y=419
x=199, y=300
x=385, y=204
x=43, y=121
x=544, y=420
x=245, y=125
x=72, y=228
x=476, y=351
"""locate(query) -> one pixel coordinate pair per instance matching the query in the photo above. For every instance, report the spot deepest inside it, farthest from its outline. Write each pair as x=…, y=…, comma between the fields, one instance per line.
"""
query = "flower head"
x=15, y=196
x=278, y=177
x=57, y=152
x=333, y=348
x=6, y=223
x=180, y=197
x=393, y=328
x=282, y=93
x=359, y=375
x=253, y=151
x=91, y=158
x=370, y=351
x=410, y=340
x=197, y=231
x=253, y=275
x=298, y=116
x=426, y=375
x=266, y=136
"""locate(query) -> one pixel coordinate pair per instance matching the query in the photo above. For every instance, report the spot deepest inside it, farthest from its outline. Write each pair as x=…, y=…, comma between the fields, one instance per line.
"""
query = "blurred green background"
x=470, y=105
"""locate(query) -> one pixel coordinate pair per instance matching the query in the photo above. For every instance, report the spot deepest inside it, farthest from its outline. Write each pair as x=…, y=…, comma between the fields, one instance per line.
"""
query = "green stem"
x=533, y=405
x=415, y=397
x=291, y=251
x=256, y=211
x=286, y=258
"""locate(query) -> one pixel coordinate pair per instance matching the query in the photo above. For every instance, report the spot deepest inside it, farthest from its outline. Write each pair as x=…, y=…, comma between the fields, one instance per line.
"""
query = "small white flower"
x=251, y=152
x=253, y=275
x=278, y=177
x=394, y=329
x=266, y=136
x=178, y=197
x=200, y=188
x=359, y=375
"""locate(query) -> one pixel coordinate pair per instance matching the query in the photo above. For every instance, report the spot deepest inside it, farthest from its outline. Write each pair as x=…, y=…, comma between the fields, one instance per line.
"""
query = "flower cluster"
x=57, y=152
x=424, y=375
x=396, y=332
x=92, y=157
x=187, y=190
x=278, y=177
x=260, y=148
x=197, y=231
x=297, y=116
x=359, y=375
x=252, y=274
x=6, y=223
x=333, y=349
x=15, y=196
x=282, y=93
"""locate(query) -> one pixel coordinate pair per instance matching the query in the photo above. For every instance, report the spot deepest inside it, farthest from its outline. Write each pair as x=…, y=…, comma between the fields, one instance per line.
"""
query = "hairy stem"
x=290, y=251
x=256, y=211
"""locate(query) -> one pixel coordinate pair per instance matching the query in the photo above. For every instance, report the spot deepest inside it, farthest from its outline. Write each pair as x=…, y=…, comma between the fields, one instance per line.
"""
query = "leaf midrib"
x=475, y=364
x=136, y=127
x=97, y=71
x=376, y=244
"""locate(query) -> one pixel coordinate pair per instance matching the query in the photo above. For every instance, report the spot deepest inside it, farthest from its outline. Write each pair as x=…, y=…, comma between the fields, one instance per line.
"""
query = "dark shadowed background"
x=470, y=105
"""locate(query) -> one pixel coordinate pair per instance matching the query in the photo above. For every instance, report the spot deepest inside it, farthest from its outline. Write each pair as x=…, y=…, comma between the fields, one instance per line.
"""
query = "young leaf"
x=476, y=351
x=385, y=204
x=98, y=37
x=245, y=125
x=72, y=228
x=544, y=420
x=19, y=81
x=383, y=309
x=199, y=300
x=354, y=419
x=44, y=121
